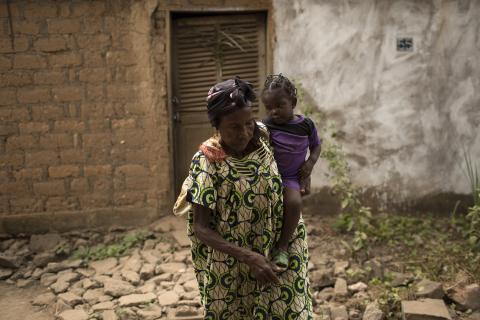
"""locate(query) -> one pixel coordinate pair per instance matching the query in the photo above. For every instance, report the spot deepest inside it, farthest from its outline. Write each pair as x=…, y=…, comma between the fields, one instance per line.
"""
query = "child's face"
x=279, y=106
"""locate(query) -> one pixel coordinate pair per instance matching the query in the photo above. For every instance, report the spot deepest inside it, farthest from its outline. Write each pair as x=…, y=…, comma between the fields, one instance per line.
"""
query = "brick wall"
x=83, y=113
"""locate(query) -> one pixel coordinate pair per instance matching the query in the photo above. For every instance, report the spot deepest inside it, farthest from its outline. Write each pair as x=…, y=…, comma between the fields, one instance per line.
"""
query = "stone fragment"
x=151, y=256
x=163, y=247
x=340, y=288
x=48, y=278
x=136, y=299
x=375, y=269
x=467, y=297
x=147, y=271
x=134, y=263
x=339, y=313
x=146, y=288
x=373, y=312
x=359, y=286
x=70, y=298
x=149, y=244
x=181, y=256
x=325, y=294
x=10, y=262
x=24, y=283
x=107, y=305
x=474, y=316
x=354, y=314
x=44, y=299
x=168, y=298
x=322, y=277
x=152, y=312
x=131, y=276
x=68, y=276
x=54, y=267
x=340, y=267
x=59, y=286
x=5, y=273
x=61, y=306
x=73, y=315
x=109, y=315
x=401, y=279
x=44, y=258
x=186, y=311
x=44, y=242
x=172, y=267
x=191, y=285
x=323, y=313
x=429, y=289
x=428, y=309
x=160, y=278
x=181, y=237
x=104, y=266
x=92, y=296
x=89, y=284
x=117, y=288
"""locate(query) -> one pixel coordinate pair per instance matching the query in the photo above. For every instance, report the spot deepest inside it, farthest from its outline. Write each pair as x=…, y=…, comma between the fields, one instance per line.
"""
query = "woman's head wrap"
x=227, y=97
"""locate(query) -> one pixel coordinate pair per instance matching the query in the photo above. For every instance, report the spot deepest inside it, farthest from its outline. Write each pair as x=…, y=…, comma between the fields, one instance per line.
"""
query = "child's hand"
x=305, y=186
x=306, y=170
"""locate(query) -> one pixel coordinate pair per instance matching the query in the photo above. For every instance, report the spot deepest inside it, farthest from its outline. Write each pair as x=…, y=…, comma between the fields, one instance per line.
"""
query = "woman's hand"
x=261, y=268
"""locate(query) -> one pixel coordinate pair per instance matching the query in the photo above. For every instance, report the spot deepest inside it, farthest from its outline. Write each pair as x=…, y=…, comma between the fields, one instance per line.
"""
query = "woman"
x=236, y=194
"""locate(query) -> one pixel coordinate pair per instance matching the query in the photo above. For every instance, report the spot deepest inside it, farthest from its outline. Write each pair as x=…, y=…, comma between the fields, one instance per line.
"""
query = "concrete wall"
x=403, y=116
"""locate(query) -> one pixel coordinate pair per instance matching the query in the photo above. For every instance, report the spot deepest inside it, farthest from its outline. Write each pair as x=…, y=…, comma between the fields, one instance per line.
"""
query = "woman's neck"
x=238, y=154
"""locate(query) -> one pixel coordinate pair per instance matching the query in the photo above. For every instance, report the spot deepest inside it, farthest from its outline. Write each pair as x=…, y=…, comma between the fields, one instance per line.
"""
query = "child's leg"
x=292, y=206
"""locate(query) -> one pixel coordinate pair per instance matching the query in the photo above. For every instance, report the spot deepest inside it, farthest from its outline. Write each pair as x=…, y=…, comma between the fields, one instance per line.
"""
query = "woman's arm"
x=259, y=265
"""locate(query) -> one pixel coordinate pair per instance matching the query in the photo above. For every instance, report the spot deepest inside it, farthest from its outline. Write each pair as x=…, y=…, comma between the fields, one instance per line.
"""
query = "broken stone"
x=68, y=276
x=373, y=312
x=160, y=278
x=24, y=283
x=44, y=299
x=163, y=247
x=61, y=306
x=401, y=279
x=354, y=314
x=109, y=315
x=340, y=288
x=131, y=276
x=146, y=288
x=44, y=242
x=181, y=237
x=149, y=244
x=151, y=312
x=425, y=310
x=168, y=298
x=172, y=267
x=44, y=258
x=150, y=256
x=104, y=266
x=147, y=271
x=47, y=279
x=339, y=313
x=375, y=269
x=117, y=288
x=5, y=273
x=429, y=289
x=92, y=296
x=186, y=311
x=467, y=297
x=107, y=305
x=191, y=285
x=73, y=315
x=59, y=286
x=340, y=267
x=70, y=298
x=359, y=286
x=9, y=262
x=89, y=284
x=326, y=294
x=322, y=277
x=54, y=267
x=136, y=299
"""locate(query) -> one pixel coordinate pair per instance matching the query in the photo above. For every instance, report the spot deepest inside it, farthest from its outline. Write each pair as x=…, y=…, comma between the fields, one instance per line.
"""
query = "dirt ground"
x=15, y=303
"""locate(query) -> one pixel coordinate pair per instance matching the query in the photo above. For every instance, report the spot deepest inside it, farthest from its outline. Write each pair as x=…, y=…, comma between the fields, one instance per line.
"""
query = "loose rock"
x=429, y=289
x=168, y=298
x=425, y=309
x=136, y=299
x=117, y=288
x=104, y=266
x=373, y=312
x=467, y=297
x=73, y=315
x=44, y=299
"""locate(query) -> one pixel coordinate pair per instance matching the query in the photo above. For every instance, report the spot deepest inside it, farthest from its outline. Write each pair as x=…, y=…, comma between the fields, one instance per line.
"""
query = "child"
x=291, y=136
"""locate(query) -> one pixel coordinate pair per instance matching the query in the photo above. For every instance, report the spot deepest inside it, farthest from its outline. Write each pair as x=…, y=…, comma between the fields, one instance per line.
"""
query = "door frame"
x=269, y=38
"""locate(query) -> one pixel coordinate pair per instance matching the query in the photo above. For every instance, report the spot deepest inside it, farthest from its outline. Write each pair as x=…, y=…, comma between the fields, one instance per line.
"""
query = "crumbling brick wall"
x=84, y=129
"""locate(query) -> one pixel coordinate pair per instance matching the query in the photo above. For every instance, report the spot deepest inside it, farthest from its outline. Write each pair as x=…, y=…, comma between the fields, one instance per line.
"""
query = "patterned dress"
x=245, y=196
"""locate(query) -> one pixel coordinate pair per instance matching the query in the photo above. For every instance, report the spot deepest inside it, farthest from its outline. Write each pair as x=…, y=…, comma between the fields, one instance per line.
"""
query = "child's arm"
x=307, y=167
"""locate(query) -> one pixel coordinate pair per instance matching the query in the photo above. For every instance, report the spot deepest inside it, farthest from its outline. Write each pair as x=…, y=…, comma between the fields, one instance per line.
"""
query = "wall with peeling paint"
x=403, y=116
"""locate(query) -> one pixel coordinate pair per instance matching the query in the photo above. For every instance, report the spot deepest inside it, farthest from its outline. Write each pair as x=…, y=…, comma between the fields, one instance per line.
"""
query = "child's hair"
x=279, y=81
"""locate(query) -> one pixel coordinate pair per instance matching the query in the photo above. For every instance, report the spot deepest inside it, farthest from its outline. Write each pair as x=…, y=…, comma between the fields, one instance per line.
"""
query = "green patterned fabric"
x=245, y=196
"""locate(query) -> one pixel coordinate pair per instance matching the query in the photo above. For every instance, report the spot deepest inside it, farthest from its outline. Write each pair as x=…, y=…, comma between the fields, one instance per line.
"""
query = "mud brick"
x=23, y=142
x=97, y=140
x=95, y=92
x=63, y=171
x=40, y=158
x=132, y=170
x=56, y=140
x=70, y=59
x=49, y=188
x=33, y=127
x=135, y=108
x=94, y=201
x=11, y=159
x=47, y=112
x=69, y=126
x=41, y=9
x=5, y=63
x=121, y=92
x=129, y=198
x=26, y=26
x=94, y=75
x=29, y=61
x=67, y=94
x=97, y=170
x=51, y=44
x=72, y=156
x=138, y=183
x=26, y=205
x=16, y=188
x=61, y=204
x=14, y=114
x=123, y=124
x=63, y=25
x=8, y=96
x=15, y=9
x=93, y=58
x=132, y=138
x=33, y=95
x=20, y=44
x=121, y=58
x=92, y=25
x=15, y=79
x=6, y=130
x=97, y=110
x=91, y=8
x=49, y=77
x=138, y=156
x=96, y=42
x=28, y=173
x=102, y=184
x=79, y=186
x=99, y=125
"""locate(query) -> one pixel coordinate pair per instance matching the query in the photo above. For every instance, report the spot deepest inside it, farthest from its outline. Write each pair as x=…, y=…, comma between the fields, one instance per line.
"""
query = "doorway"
x=207, y=49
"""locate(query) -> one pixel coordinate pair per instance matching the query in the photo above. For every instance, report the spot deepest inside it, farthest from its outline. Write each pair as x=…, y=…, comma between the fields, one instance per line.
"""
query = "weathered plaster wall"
x=403, y=116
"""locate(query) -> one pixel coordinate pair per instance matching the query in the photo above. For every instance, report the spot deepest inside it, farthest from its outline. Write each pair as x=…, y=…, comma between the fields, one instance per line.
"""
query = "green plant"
x=473, y=176
x=102, y=251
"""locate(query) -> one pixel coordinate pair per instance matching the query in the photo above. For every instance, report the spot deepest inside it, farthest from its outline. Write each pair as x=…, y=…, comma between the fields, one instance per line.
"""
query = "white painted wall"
x=405, y=115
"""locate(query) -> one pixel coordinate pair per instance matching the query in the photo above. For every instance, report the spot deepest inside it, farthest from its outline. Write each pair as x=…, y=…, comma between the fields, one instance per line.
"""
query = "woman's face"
x=236, y=129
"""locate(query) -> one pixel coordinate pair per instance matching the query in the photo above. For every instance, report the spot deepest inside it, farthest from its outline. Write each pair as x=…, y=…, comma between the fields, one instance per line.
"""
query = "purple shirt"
x=290, y=144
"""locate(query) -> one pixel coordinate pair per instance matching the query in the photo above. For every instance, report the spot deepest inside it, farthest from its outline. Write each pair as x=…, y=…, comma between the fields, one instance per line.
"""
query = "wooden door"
x=205, y=50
